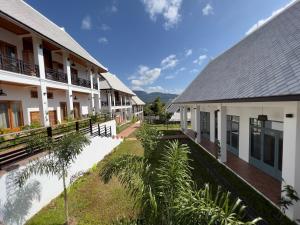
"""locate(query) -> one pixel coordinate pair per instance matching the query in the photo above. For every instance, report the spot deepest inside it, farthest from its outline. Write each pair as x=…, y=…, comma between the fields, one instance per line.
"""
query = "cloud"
x=132, y=77
x=168, y=9
x=145, y=76
x=86, y=23
x=200, y=59
x=103, y=40
x=169, y=62
x=163, y=90
x=188, y=52
x=104, y=27
x=194, y=71
x=169, y=77
x=265, y=20
x=180, y=70
x=208, y=10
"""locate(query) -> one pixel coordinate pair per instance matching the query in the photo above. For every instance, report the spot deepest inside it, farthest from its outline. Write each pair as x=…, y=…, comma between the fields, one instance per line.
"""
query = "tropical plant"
x=160, y=183
x=289, y=197
x=61, y=154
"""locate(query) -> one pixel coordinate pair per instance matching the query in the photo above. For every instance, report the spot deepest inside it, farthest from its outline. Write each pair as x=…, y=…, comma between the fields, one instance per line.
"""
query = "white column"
x=198, y=124
x=223, y=133
x=121, y=99
x=42, y=89
x=212, y=126
x=92, y=100
x=69, y=92
x=291, y=154
x=185, y=118
x=193, y=118
x=114, y=98
x=109, y=102
x=244, y=140
x=181, y=117
x=99, y=94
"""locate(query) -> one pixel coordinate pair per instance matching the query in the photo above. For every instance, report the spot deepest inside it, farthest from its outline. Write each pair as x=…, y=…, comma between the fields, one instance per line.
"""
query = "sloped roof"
x=137, y=101
x=171, y=107
x=22, y=12
x=266, y=63
x=111, y=81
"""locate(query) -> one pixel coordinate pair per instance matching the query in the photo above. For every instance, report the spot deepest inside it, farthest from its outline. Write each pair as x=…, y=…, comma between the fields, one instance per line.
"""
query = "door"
x=35, y=117
x=63, y=111
x=76, y=106
x=266, y=145
x=233, y=130
x=53, y=117
x=205, y=125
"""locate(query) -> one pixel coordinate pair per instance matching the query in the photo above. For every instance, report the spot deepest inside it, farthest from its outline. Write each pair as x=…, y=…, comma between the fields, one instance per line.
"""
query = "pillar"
x=198, y=124
x=69, y=92
x=291, y=154
x=92, y=99
x=223, y=133
x=42, y=89
x=212, y=126
x=109, y=103
x=99, y=94
x=185, y=122
x=193, y=118
x=181, y=117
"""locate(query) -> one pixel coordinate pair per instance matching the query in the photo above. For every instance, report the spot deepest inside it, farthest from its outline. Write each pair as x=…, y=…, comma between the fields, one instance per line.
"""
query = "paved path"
x=125, y=133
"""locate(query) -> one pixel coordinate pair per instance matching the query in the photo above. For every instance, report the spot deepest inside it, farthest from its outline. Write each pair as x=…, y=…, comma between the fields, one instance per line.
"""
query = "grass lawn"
x=90, y=200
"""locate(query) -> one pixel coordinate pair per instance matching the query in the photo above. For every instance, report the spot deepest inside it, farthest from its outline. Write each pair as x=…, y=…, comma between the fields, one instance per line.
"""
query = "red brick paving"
x=267, y=185
x=129, y=130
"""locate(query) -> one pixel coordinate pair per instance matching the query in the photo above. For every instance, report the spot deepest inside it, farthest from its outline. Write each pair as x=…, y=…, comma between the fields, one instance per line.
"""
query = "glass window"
x=255, y=143
x=280, y=153
x=269, y=149
x=205, y=124
x=16, y=114
x=233, y=123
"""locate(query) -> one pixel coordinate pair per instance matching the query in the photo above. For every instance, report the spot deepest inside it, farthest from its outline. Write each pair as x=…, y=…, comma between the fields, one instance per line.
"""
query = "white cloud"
x=103, y=40
x=194, y=71
x=145, y=76
x=265, y=20
x=169, y=77
x=104, y=27
x=163, y=90
x=208, y=10
x=168, y=9
x=132, y=77
x=200, y=59
x=180, y=70
x=169, y=62
x=86, y=23
x=114, y=8
x=188, y=52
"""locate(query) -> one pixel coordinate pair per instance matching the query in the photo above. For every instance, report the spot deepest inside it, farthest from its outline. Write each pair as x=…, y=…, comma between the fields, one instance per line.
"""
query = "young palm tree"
x=160, y=183
x=61, y=154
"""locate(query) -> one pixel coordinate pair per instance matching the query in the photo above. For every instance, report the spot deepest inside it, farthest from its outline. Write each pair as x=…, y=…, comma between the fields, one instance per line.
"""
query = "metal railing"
x=13, y=146
x=81, y=82
x=53, y=74
x=104, y=103
x=18, y=66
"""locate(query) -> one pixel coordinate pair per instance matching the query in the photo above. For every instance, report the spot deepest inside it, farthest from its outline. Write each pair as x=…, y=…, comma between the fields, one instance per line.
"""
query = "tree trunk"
x=65, y=198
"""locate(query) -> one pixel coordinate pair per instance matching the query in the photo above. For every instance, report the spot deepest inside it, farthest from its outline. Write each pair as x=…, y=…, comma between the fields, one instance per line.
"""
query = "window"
x=205, y=124
x=50, y=95
x=10, y=114
x=233, y=130
x=34, y=94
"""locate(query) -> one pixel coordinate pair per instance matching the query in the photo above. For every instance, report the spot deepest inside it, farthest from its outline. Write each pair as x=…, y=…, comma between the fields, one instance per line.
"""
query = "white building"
x=46, y=76
x=138, y=107
x=248, y=99
x=115, y=98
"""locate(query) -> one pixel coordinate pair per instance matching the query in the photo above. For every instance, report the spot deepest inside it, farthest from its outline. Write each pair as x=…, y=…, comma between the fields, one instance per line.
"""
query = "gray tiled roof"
x=137, y=101
x=24, y=13
x=264, y=64
x=111, y=81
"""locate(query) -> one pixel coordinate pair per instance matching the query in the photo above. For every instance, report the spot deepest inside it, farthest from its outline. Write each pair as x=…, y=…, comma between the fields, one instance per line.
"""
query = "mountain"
x=150, y=97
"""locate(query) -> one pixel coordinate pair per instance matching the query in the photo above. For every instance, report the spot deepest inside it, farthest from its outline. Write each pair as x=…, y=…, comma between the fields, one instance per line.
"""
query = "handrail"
x=56, y=75
x=81, y=82
x=18, y=66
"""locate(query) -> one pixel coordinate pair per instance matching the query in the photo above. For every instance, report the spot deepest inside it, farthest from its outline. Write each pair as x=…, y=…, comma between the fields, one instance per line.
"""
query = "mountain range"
x=150, y=97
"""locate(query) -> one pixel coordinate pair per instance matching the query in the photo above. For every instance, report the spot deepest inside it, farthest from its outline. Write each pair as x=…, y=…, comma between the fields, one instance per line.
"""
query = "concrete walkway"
x=125, y=133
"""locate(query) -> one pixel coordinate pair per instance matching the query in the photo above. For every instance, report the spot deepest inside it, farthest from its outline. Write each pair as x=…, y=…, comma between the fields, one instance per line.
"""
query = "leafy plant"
x=163, y=189
x=60, y=155
x=289, y=197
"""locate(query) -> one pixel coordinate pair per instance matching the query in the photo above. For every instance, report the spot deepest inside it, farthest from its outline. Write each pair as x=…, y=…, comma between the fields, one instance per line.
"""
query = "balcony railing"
x=81, y=82
x=53, y=74
x=104, y=103
x=127, y=103
x=118, y=103
x=95, y=85
x=18, y=66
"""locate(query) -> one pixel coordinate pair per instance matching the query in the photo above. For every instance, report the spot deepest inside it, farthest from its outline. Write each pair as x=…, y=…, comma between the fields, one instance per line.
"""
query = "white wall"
x=22, y=203
x=12, y=39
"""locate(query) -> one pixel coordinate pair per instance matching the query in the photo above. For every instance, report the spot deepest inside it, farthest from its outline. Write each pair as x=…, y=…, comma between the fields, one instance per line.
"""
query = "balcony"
x=81, y=82
x=56, y=75
x=18, y=66
x=95, y=86
x=118, y=103
x=104, y=103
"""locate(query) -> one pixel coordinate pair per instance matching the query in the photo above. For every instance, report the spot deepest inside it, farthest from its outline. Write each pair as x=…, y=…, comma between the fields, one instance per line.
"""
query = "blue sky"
x=157, y=45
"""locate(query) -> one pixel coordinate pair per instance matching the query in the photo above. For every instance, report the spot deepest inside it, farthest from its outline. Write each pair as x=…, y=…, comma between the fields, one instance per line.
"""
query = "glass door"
x=205, y=124
x=233, y=131
x=266, y=144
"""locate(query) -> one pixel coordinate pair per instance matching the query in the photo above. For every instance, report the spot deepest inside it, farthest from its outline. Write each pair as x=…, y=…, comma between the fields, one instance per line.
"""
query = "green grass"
x=91, y=201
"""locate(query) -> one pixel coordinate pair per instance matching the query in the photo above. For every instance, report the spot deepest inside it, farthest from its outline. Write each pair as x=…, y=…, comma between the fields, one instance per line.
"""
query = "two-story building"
x=248, y=99
x=115, y=97
x=45, y=75
x=138, y=107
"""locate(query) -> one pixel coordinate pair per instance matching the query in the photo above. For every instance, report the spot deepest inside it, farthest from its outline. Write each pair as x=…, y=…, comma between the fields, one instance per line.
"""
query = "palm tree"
x=61, y=154
x=160, y=183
